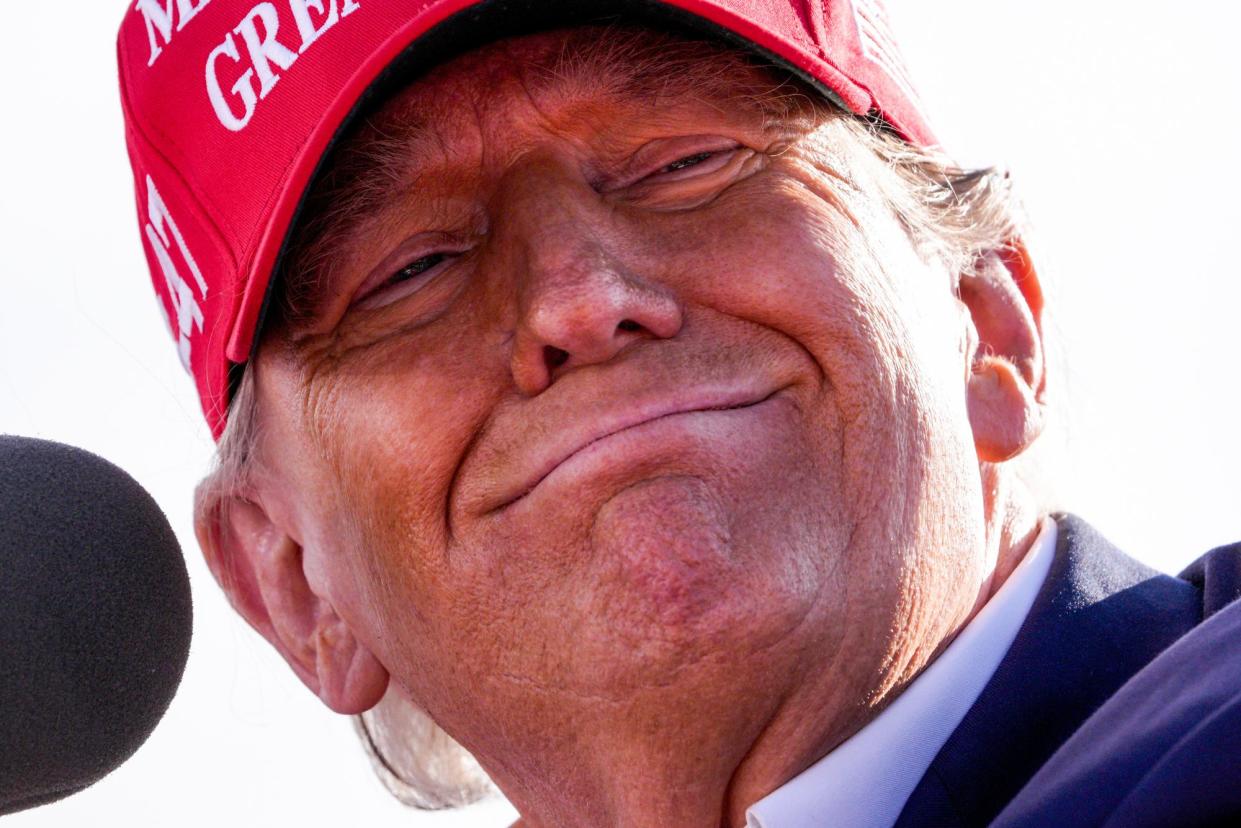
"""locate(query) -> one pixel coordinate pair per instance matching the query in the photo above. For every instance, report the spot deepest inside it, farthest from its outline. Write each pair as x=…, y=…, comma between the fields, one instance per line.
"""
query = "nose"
x=577, y=302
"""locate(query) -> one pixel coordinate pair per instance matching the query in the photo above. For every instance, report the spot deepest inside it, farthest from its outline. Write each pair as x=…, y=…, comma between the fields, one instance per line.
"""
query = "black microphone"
x=94, y=619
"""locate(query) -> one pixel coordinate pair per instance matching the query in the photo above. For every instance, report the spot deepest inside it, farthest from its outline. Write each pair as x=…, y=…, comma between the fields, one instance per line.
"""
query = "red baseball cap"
x=231, y=105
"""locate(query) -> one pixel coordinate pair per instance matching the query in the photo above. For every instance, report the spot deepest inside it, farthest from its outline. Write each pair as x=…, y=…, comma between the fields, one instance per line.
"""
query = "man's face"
x=625, y=394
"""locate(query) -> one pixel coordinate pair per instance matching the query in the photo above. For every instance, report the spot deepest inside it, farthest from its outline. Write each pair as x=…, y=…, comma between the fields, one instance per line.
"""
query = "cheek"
x=788, y=260
x=772, y=255
x=392, y=422
x=876, y=321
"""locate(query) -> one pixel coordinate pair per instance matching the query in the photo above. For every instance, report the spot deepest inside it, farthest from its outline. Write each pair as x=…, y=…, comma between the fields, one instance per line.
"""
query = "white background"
x=1118, y=119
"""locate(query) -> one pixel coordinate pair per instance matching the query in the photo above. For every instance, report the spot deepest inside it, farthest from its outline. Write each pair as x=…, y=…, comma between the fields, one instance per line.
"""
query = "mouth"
x=562, y=451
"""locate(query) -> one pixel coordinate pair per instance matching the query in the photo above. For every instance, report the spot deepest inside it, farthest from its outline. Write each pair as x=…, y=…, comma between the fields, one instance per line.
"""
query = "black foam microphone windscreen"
x=94, y=619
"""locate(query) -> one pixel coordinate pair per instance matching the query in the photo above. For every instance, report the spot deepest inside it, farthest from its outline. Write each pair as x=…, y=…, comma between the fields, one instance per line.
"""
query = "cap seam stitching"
x=145, y=130
x=137, y=127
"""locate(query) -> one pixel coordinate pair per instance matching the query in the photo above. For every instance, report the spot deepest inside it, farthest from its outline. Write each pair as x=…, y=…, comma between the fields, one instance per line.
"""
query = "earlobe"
x=1004, y=414
x=1007, y=374
x=260, y=568
x=350, y=679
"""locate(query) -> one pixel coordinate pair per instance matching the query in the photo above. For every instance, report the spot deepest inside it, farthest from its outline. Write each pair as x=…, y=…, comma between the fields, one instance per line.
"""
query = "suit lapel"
x=1099, y=618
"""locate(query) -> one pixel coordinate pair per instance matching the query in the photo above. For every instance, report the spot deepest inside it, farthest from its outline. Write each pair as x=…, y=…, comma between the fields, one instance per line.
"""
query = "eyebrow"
x=359, y=178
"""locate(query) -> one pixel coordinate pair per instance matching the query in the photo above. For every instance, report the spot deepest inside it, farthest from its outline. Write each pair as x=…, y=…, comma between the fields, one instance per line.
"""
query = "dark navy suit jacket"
x=1118, y=704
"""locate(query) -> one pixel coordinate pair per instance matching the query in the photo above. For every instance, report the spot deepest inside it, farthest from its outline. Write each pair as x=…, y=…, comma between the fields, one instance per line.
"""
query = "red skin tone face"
x=630, y=436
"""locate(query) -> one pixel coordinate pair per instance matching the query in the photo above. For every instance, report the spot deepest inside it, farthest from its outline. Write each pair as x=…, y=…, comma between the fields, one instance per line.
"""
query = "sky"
x=1118, y=121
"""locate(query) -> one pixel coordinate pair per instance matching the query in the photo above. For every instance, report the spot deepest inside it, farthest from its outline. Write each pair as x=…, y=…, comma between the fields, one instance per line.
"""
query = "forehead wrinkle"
x=595, y=69
x=565, y=87
x=653, y=70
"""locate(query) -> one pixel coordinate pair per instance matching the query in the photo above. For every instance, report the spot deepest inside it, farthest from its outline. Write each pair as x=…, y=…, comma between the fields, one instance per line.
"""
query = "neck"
x=647, y=768
x=1013, y=522
x=654, y=760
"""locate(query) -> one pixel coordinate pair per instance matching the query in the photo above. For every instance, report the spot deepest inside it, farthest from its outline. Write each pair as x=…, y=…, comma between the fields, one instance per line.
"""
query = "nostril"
x=628, y=325
x=554, y=357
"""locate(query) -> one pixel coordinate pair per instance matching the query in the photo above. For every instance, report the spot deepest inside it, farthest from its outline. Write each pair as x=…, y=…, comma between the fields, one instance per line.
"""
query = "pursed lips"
x=581, y=435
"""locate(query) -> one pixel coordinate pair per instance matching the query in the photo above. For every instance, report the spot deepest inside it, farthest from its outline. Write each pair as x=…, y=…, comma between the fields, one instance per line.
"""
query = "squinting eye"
x=416, y=268
x=405, y=281
x=693, y=166
x=688, y=161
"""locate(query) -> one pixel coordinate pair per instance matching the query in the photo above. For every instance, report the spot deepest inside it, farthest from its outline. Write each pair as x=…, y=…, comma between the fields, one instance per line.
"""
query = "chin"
x=677, y=583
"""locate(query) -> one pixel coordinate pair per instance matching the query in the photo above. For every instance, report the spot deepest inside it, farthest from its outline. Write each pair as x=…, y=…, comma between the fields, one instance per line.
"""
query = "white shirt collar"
x=866, y=780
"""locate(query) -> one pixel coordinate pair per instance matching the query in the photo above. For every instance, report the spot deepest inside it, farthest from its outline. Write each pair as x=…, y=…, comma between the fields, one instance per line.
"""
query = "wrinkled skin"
x=632, y=438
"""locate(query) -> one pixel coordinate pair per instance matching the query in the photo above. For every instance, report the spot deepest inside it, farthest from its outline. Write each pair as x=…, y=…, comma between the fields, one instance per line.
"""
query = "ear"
x=1007, y=377
x=260, y=569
